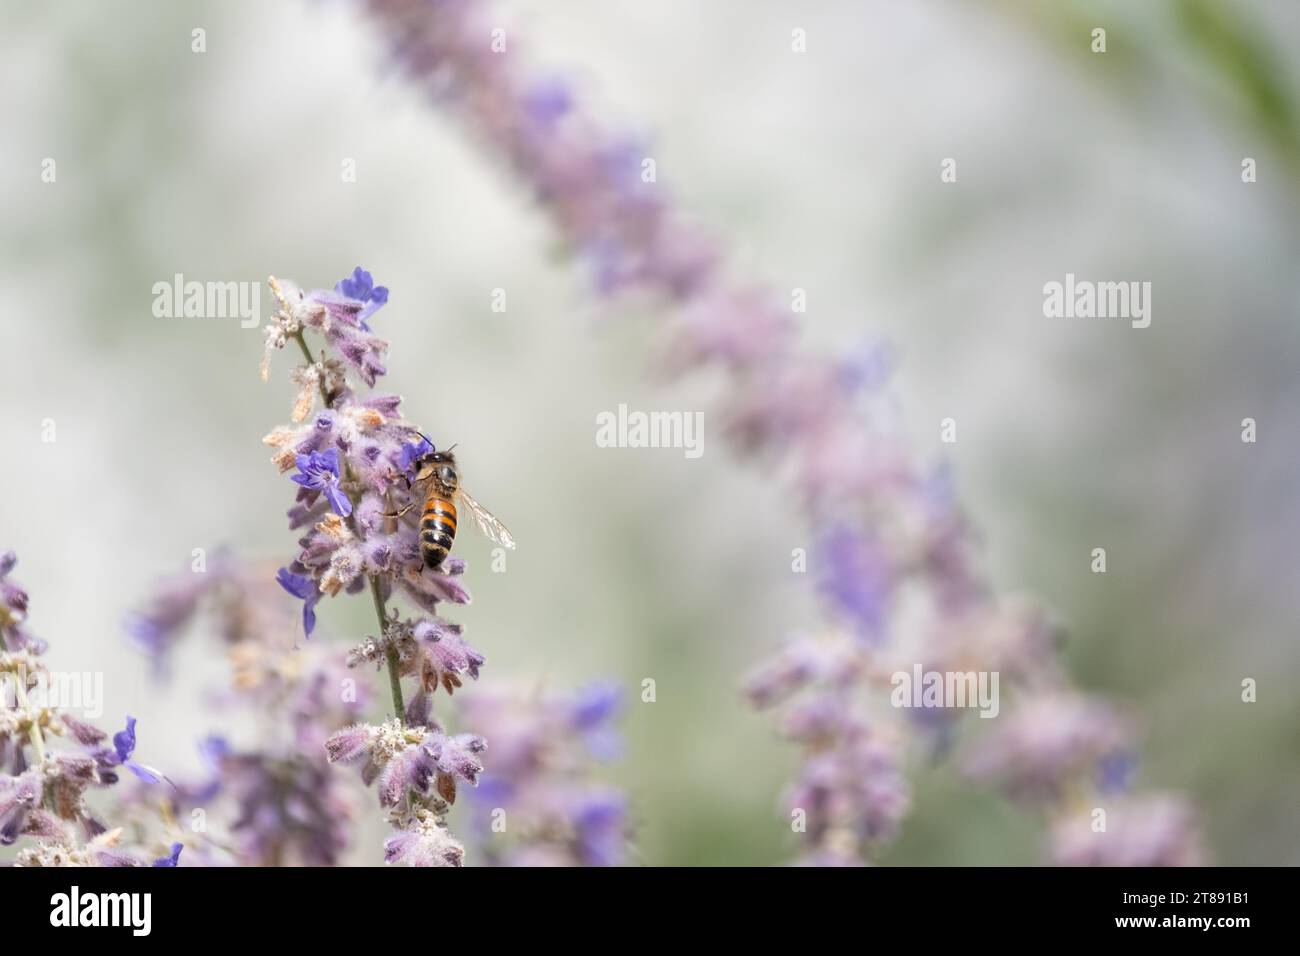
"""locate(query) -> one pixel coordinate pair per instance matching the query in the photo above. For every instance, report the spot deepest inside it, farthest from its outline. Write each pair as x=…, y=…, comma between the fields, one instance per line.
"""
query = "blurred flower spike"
x=883, y=526
x=51, y=759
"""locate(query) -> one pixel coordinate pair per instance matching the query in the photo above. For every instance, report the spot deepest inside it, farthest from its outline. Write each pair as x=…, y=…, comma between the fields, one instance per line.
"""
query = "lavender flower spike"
x=357, y=452
x=543, y=774
x=50, y=760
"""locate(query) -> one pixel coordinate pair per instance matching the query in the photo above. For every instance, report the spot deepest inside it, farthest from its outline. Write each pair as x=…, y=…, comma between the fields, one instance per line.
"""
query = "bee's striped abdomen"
x=437, y=529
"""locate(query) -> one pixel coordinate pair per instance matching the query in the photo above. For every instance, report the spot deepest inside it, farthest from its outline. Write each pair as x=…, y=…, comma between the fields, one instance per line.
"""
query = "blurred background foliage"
x=820, y=171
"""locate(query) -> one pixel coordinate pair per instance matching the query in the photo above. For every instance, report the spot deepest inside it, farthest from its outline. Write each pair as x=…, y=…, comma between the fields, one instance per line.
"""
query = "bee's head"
x=440, y=465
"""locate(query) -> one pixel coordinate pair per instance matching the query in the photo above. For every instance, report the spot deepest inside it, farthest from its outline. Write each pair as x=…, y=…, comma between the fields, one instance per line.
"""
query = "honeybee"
x=438, y=483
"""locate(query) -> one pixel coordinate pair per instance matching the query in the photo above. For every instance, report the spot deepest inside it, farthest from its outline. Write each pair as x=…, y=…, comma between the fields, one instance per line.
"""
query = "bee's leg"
x=398, y=514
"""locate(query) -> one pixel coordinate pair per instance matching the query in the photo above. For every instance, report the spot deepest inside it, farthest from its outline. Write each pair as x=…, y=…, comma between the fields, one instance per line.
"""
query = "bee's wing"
x=487, y=522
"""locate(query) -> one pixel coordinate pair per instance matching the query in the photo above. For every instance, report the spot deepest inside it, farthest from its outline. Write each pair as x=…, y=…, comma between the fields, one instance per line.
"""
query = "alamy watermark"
x=634, y=429
x=179, y=299
x=936, y=689
x=1085, y=299
x=78, y=691
x=130, y=910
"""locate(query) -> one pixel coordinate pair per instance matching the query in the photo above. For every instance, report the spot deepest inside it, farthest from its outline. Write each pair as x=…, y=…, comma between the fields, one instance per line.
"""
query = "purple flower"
x=594, y=708
x=19, y=796
x=412, y=768
x=292, y=809
x=1115, y=771
x=349, y=743
x=413, y=452
x=409, y=760
x=442, y=655
x=124, y=741
x=1157, y=829
x=319, y=471
x=600, y=830
x=361, y=286
x=458, y=756
x=124, y=747
x=1047, y=742
x=213, y=750
x=868, y=367
x=855, y=793
x=149, y=634
x=548, y=101
x=595, y=704
x=304, y=588
x=854, y=575
x=83, y=733
x=161, y=623
x=541, y=771
x=13, y=611
x=172, y=858
x=423, y=842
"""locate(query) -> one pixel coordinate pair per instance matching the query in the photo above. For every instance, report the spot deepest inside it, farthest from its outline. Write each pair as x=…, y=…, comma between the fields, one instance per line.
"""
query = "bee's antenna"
x=453, y=447
x=425, y=437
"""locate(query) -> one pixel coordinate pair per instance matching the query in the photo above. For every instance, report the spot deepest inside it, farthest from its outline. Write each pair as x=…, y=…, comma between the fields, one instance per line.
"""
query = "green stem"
x=306, y=352
x=390, y=651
